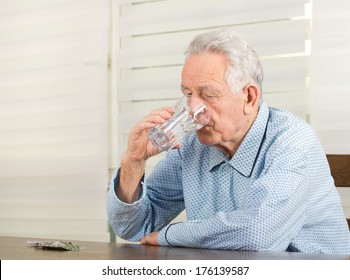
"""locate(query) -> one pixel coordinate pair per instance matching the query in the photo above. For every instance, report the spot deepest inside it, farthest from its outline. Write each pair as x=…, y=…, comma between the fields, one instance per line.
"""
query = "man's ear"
x=252, y=98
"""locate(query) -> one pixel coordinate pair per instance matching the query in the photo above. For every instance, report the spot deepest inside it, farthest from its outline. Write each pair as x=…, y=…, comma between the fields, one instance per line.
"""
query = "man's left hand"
x=150, y=239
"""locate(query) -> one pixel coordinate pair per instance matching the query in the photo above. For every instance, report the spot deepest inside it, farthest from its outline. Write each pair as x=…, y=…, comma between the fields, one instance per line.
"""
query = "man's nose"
x=199, y=111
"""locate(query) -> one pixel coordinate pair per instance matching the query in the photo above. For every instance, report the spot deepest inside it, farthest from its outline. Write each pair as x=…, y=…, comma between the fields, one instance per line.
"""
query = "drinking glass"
x=189, y=116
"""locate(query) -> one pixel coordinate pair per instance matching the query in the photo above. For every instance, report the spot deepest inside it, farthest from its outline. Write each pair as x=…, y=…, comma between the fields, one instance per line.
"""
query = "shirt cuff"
x=163, y=236
x=119, y=204
x=113, y=189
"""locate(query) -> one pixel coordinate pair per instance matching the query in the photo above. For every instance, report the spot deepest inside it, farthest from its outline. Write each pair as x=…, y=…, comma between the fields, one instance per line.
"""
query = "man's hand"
x=140, y=147
x=150, y=239
x=139, y=150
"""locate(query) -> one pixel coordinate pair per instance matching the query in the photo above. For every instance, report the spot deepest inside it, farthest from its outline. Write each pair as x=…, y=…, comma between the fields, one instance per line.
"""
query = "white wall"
x=53, y=118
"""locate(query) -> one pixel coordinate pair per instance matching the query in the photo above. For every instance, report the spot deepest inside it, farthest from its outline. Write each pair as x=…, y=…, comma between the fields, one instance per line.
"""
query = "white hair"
x=244, y=65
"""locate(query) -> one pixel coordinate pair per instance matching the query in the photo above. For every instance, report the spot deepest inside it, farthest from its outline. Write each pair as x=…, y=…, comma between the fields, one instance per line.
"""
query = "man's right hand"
x=140, y=147
x=139, y=150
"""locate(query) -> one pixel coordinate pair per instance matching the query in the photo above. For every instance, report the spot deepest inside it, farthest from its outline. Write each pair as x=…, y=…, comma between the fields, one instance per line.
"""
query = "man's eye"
x=208, y=95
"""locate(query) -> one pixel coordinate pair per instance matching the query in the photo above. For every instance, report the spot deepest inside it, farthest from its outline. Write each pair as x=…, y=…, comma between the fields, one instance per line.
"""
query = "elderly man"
x=254, y=178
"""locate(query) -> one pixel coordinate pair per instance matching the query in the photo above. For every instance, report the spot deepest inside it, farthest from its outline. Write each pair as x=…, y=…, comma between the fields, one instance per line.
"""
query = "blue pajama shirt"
x=276, y=193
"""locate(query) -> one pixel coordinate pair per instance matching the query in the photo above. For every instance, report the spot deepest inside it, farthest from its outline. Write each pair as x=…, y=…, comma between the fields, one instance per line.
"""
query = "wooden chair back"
x=340, y=169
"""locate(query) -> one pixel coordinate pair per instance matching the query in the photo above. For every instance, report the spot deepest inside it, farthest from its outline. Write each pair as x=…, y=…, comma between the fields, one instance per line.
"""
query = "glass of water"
x=189, y=116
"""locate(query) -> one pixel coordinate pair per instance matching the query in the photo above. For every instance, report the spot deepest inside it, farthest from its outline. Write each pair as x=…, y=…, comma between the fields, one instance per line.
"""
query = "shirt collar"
x=216, y=157
x=244, y=159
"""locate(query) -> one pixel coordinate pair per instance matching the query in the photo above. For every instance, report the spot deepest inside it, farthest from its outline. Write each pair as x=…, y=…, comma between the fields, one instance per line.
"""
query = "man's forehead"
x=203, y=87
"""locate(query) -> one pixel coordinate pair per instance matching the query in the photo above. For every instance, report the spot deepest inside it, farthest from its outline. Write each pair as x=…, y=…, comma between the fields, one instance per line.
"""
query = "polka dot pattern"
x=276, y=194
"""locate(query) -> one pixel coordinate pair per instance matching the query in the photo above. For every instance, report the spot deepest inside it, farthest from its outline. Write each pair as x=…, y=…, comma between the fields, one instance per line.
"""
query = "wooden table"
x=15, y=248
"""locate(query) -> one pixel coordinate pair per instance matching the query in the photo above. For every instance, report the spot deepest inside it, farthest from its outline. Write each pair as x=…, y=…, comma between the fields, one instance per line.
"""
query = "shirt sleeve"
x=273, y=214
x=161, y=201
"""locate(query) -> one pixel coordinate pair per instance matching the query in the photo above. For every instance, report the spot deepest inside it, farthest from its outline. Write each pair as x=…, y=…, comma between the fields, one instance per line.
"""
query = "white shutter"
x=330, y=84
x=53, y=118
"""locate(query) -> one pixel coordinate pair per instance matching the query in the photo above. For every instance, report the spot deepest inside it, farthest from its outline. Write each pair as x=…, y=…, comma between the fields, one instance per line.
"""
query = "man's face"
x=204, y=78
